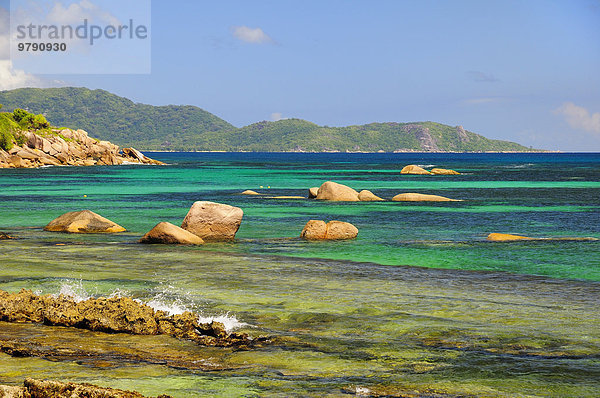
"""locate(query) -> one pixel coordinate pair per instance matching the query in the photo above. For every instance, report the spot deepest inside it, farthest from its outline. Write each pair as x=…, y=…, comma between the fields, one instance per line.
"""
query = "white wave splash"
x=230, y=322
x=74, y=290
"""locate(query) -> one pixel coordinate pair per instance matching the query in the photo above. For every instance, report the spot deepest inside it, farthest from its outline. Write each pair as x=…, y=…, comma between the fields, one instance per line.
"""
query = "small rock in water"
x=333, y=230
x=165, y=232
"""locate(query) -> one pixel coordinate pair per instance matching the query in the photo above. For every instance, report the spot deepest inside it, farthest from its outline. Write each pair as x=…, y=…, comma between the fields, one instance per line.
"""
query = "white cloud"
x=276, y=116
x=13, y=78
x=250, y=35
x=580, y=118
x=76, y=13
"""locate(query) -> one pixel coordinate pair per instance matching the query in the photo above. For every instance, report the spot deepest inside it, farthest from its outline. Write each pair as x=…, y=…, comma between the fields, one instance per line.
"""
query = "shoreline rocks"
x=67, y=147
x=116, y=315
x=165, y=232
x=33, y=388
x=213, y=221
x=83, y=222
x=333, y=230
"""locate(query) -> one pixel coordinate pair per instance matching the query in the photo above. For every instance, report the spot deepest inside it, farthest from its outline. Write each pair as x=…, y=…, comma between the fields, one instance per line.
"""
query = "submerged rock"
x=116, y=315
x=84, y=221
x=5, y=236
x=439, y=171
x=33, y=388
x=330, y=190
x=413, y=169
x=333, y=230
x=496, y=237
x=250, y=192
x=213, y=221
x=420, y=197
x=368, y=196
x=165, y=232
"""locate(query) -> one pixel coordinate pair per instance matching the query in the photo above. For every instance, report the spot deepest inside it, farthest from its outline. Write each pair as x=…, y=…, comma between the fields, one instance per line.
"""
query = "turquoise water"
x=420, y=303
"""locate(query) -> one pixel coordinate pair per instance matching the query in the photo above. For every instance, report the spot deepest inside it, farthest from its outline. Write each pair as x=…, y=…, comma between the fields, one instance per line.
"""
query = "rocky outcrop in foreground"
x=116, y=315
x=84, y=221
x=33, y=388
x=68, y=147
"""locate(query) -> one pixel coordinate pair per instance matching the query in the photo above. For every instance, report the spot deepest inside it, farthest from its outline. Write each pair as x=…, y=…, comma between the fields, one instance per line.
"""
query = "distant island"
x=109, y=117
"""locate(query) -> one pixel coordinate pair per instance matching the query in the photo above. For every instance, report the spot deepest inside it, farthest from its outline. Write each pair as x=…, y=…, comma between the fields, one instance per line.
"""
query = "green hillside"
x=109, y=117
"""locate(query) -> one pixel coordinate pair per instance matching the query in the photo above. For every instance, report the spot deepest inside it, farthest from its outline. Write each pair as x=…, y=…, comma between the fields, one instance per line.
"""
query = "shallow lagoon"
x=377, y=313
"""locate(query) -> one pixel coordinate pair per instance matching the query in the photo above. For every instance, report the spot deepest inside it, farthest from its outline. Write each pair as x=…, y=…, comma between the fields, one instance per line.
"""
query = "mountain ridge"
x=107, y=116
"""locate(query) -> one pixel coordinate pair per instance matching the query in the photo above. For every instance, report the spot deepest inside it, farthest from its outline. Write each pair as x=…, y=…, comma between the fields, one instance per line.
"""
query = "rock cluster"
x=333, y=230
x=68, y=147
x=33, y=388
x=84, y=221
x=414, y=169
x=116, y=315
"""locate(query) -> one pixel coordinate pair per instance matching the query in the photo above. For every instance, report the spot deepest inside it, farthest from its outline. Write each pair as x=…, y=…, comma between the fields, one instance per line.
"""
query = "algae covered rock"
x=330, y=190
x=213, y=221
x=420, y=197
x=84, y=221
x=55, y=389
x=165, y=232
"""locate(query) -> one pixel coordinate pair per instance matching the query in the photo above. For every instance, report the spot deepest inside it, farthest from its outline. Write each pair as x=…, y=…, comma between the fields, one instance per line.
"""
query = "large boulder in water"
x=213, y=221
x=413, y=169
x=420, y=197
x=165, y=232
x=333, y=191
x=333, y=230
x=368, y=196
x=84, y=221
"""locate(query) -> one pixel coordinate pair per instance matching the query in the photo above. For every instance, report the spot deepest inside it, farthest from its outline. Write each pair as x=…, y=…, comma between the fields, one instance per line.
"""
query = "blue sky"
x=525, y=71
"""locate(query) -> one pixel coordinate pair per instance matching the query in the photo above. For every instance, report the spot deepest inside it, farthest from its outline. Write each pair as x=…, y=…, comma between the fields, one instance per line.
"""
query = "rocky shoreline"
x=33, y=388
x=67, y=147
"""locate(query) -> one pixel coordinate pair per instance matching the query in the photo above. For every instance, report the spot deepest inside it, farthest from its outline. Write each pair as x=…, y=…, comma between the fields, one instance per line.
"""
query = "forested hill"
x=187, y=128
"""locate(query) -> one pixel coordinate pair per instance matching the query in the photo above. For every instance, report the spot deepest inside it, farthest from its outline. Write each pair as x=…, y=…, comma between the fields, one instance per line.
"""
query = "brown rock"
x=15, y=161
x=505, y=237
x=250, y=192
x=313, y=192
x=165, y=232
x=368, y=196
x=14, y=392
x=340, y=230
x=213, y=221
x=438, y=171
x=413, y=169
x=84, y=221
x=314, y=230
x=56, y=389
x=115, y=315
x=419, y=197
x=337, y=192
x=333, y=230
x=5, y=236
